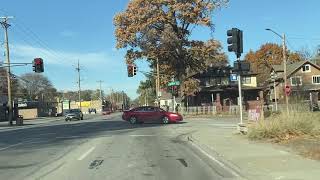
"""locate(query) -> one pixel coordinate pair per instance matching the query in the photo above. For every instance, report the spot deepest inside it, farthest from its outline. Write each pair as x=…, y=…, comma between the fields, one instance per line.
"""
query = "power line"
x=41, y=43
x=29, y=32
x=45, y=49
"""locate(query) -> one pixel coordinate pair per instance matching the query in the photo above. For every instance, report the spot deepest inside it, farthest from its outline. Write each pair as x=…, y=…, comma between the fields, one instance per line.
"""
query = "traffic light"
x=135, y=70
x=175, y=91
x=38, y=65
x=235, y=41
x=130, y=70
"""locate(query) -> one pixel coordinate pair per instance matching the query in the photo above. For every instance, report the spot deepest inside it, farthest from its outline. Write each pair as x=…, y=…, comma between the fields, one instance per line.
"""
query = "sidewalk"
x=29, y=123
x=255, y=160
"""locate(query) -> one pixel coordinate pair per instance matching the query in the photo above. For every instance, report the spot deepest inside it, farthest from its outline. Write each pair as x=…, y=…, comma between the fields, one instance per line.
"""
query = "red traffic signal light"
x=38, y=65
x=175, y=91
x=130, y=70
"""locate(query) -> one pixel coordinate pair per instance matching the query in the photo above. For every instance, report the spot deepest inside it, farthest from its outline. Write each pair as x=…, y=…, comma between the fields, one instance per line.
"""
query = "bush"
x=282, y=127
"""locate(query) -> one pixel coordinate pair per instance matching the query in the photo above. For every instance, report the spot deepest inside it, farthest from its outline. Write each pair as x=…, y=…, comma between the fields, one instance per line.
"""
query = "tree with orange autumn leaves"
x=269, y=54
x=161, y=29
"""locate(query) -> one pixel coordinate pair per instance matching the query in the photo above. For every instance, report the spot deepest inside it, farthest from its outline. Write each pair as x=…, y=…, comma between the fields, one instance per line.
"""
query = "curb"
x=216, y=157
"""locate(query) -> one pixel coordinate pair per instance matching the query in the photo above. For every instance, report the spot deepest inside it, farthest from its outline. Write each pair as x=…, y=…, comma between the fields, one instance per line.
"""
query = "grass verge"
x=300, y=131
x=280, y=127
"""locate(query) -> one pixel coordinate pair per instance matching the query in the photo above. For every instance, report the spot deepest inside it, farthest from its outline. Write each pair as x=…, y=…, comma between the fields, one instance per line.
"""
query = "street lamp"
x=283, y=37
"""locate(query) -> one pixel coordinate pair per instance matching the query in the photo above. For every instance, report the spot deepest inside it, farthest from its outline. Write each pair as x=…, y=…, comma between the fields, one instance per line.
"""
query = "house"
x=303, y=77
x=217, y=88
x=167, y=101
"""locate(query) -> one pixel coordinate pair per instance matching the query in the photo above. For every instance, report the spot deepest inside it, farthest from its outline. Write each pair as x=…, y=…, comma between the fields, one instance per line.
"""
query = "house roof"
x=292, y=67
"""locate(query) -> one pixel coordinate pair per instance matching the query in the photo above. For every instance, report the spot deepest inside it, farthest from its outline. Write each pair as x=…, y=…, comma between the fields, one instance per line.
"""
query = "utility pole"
x=285, y=70
x=124, y=101
x=100, y=91
x=158, y=82
x=111, y=99
x=123, y=104
x=5, y=26
x=274, y=77
x=283, y=37
x=79, y=84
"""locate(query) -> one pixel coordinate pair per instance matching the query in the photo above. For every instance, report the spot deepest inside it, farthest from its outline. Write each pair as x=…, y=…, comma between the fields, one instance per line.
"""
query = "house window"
x=316, y=79
x=224, y=81
x=306, y=68
x=296, y=81
x=246, y=80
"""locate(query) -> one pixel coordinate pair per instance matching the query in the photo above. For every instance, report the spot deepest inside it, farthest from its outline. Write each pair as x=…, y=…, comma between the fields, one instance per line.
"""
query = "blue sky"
x=64, y=31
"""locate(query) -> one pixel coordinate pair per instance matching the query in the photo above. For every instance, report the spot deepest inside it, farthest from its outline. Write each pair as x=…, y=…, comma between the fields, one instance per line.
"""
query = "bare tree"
x=36, y=86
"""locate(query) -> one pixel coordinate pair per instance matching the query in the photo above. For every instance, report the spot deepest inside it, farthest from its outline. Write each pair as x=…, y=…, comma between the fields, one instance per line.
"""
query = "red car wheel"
x=133, y=120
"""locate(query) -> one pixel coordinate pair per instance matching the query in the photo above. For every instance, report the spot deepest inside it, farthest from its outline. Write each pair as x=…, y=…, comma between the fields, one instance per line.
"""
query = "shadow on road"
x=51, y=135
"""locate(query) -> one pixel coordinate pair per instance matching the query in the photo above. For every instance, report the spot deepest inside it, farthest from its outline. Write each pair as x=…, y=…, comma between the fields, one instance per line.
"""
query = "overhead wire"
x=20, y=25
x=34, y=38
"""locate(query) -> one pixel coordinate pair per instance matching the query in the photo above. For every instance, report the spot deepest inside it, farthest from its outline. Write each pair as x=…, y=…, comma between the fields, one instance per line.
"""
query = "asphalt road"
x=104, y=148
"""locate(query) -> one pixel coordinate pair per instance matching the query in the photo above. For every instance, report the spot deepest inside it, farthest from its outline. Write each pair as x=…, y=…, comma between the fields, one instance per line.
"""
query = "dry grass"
x=281, y=127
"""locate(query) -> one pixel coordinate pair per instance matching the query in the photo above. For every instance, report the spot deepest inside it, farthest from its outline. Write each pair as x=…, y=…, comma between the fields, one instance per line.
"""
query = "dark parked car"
x=150, y=114
x=106, y=111
x=73, y=114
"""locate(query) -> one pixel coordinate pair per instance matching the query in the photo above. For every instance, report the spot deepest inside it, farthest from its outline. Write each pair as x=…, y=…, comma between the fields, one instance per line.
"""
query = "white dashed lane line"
x=84, y=155
x=14, y=145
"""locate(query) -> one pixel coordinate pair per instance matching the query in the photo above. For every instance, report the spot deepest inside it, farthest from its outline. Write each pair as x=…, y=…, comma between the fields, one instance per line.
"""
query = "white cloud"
x=97, y=65
x=25, y=53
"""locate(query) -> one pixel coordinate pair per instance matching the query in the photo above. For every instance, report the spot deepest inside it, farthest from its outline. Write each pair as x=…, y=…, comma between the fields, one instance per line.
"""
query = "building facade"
x=218, y=89
x=303, y=77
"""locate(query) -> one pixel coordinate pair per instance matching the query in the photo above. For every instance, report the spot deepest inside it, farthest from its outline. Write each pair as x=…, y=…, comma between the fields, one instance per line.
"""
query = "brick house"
x=303, y=77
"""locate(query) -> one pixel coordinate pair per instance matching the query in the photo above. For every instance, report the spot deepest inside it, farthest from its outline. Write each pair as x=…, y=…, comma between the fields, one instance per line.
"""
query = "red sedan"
x=150, y=114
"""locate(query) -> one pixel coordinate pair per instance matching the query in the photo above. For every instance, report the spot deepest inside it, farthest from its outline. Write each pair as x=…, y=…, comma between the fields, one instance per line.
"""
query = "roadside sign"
x=174, y=83
x=233, y=77
x=287, y=90
x=241, y=66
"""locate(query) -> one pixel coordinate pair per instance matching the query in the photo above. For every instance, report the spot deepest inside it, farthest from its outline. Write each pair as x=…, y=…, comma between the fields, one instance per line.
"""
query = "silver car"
x=73, y=114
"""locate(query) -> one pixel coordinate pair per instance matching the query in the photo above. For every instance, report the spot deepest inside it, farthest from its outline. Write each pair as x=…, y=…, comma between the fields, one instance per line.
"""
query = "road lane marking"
x=69, y=137
x=14, y=145
x=86, y=154
x=214, y=159
x=224, y=125
x=142, y=135
x=44, y=134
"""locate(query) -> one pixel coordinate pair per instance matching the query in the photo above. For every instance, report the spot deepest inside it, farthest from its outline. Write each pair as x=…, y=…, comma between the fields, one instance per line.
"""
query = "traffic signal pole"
x=5, y=26
x=235, y=44
x=240, y=97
